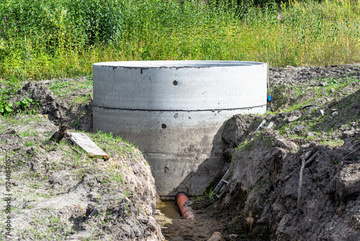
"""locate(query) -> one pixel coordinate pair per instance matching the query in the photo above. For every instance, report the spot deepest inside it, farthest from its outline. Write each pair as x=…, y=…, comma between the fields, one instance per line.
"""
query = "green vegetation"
x=62, y=38
x=62, y=87
x=26, y=105
x=8, y=89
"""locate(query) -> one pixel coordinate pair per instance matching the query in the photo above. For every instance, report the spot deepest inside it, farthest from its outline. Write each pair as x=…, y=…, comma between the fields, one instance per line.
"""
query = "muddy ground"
x=296, y=180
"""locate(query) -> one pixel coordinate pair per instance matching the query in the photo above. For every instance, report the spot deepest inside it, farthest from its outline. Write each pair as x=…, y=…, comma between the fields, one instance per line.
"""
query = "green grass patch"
x=63, y=38
x=62, y=87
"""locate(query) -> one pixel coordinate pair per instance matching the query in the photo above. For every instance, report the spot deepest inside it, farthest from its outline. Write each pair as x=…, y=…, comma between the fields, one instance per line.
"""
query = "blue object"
x=269, y=98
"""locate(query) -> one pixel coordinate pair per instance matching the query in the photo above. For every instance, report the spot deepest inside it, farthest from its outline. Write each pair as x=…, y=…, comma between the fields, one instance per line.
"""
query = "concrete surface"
x=174, y=111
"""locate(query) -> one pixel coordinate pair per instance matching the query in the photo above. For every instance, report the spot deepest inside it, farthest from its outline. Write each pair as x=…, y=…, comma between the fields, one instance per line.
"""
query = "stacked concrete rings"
x=174, y=112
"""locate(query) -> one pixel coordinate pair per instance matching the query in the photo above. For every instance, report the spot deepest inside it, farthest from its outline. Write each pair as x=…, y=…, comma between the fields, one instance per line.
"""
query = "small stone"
x=311, y=134
x=332, y=90
x=293, y=118
x=217, y=236
x=298, y=128
x=347, y=134
x=343, y=128
x=353, y=124
x=335, y=113
x=322, y=112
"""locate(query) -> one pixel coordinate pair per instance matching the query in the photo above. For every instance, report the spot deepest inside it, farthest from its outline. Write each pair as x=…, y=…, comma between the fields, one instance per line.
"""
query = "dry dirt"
x=57, y=192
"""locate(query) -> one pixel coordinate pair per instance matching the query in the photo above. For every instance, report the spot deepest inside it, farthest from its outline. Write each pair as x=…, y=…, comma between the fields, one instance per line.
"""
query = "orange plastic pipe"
x=181, y=199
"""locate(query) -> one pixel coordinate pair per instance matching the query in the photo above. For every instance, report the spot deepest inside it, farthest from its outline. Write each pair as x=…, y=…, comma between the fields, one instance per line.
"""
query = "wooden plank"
x=88, y=145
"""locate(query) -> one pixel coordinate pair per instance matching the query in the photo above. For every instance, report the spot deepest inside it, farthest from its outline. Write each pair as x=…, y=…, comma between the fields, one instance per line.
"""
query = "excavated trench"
x=316, y=122
x=168, y=208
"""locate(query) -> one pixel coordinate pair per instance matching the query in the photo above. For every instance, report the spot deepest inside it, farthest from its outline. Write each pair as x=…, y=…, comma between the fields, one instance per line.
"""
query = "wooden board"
x=88, y=145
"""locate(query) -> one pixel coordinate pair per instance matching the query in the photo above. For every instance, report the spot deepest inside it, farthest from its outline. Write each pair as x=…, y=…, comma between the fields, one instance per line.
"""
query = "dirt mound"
x=200, y=229
x=56, y=110
x=298, y=179
x=60, y=110
x=264, y=196
x=57, y=192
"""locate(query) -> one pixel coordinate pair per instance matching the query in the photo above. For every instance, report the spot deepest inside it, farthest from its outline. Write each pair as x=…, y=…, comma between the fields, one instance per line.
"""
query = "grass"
x=115, y=144
x=62, y=87
x=55, y=39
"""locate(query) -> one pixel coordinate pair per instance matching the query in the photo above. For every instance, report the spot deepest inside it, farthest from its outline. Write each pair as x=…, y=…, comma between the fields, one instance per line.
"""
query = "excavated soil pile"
x=299, y=179
x=296, y=180
x=60, y=110
x=264, y=202
x=57, y=192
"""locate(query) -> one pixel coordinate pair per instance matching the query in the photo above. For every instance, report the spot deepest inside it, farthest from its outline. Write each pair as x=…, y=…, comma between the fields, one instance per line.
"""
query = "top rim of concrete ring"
x=178, y=64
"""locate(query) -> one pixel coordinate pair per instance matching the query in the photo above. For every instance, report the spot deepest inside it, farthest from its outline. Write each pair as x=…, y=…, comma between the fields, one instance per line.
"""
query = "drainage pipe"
x=182, y=202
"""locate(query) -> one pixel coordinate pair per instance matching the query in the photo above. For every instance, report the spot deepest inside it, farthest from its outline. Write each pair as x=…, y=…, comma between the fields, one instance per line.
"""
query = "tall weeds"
x=62, y=38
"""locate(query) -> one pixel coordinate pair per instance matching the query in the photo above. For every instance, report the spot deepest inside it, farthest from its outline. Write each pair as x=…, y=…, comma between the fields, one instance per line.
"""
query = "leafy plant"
x=209, y=194
x=5, y=107
x=24, y=104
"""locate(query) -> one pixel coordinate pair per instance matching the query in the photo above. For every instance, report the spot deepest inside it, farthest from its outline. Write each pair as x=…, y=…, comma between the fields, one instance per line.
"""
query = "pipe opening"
x=183, y=203
x=163, y=126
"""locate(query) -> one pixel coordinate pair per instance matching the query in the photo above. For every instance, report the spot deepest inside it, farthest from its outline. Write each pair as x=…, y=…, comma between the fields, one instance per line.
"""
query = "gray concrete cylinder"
x=174, y=112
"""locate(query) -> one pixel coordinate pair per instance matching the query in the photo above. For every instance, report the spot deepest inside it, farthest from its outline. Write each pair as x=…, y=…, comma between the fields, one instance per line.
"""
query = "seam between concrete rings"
x=160, y=110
